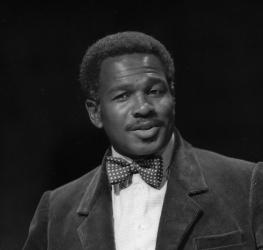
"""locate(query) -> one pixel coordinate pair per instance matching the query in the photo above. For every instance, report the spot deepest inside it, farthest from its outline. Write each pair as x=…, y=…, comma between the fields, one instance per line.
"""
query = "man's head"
x=120, y=44
x=128, y=79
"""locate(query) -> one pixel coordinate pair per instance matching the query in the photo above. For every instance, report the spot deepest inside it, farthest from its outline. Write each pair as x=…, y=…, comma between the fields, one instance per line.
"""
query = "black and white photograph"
x=131, y=125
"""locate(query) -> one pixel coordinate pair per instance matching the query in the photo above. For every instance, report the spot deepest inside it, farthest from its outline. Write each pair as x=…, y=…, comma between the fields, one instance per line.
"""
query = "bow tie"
x=119, y=170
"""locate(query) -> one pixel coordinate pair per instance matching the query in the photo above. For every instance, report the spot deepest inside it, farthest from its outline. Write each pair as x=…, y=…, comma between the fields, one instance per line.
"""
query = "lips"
x=144, y=125
x=146, y=130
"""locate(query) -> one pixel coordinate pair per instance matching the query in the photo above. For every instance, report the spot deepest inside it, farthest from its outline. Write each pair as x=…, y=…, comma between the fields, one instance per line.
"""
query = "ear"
x=93, y=109
x=172, y=89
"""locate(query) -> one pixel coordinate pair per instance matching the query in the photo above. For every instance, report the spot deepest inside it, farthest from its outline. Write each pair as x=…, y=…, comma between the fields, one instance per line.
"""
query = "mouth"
x=147, y=134
x=145, y=125
x=146, y=130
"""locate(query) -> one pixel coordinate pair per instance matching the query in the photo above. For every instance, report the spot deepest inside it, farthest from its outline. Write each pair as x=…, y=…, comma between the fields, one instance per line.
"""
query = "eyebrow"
x=129, y=85
x=148, y=70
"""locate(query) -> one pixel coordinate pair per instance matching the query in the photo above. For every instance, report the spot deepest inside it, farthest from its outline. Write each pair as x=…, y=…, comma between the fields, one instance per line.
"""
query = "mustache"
x=144, y=124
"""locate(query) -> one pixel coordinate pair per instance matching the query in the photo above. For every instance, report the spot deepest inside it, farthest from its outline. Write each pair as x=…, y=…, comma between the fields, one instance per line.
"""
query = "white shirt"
x=137, y=209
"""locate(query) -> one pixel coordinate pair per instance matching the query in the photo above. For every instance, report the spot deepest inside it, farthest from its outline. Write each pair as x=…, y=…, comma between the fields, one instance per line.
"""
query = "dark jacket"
x=212, y=202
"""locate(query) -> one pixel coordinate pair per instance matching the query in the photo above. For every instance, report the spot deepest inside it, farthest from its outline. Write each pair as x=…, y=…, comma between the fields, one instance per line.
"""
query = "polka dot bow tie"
x=119, y=170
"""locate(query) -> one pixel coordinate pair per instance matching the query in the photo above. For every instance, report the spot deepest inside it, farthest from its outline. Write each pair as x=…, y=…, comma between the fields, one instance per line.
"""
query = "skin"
x=136, y=106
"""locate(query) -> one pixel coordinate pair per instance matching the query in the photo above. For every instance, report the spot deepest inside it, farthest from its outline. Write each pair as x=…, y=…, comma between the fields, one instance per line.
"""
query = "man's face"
x=136, y=106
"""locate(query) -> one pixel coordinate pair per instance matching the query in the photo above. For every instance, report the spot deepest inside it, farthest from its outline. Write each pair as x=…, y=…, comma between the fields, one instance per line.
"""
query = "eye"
x=121, y=97
x=156, y=91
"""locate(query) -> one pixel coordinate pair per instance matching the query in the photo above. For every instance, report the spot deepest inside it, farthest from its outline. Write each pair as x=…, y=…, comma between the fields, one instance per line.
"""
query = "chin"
x=144, y=150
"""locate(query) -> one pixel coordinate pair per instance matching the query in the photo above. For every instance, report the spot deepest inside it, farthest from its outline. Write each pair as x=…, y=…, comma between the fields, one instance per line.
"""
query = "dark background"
x=47, y=138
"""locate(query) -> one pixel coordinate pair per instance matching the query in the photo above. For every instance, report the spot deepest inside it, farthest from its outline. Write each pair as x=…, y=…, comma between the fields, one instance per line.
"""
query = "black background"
x=46, y=135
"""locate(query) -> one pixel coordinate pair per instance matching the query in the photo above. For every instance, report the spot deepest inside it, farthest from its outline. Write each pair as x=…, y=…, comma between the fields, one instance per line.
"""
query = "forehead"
x=125, y=66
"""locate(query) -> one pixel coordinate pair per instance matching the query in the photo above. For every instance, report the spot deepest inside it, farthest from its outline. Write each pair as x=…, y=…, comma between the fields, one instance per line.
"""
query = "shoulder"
x=210, y=159
x=225, y=172
x=70, y=194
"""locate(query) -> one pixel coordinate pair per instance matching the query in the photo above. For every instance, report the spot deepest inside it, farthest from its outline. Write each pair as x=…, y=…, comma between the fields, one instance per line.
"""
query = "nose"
x=142, y=107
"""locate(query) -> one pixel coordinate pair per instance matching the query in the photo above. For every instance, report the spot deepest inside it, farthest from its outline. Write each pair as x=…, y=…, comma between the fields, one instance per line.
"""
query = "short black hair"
x=122, y=43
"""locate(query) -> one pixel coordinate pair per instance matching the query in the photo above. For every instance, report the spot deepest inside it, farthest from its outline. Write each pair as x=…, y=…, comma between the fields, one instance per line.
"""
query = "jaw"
x=144, y=145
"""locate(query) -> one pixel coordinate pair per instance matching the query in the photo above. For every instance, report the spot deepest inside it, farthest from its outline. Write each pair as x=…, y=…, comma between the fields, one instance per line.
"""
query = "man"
x=153, y=190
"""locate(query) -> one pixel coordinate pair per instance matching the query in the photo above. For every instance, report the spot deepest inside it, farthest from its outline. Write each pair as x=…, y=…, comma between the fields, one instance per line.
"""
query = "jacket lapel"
x=180, y=212
x=96, y=230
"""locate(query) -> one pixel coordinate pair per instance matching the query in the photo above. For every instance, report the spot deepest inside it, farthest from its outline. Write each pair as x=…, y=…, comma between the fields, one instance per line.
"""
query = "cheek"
x=166, y=107
x=112, y=116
